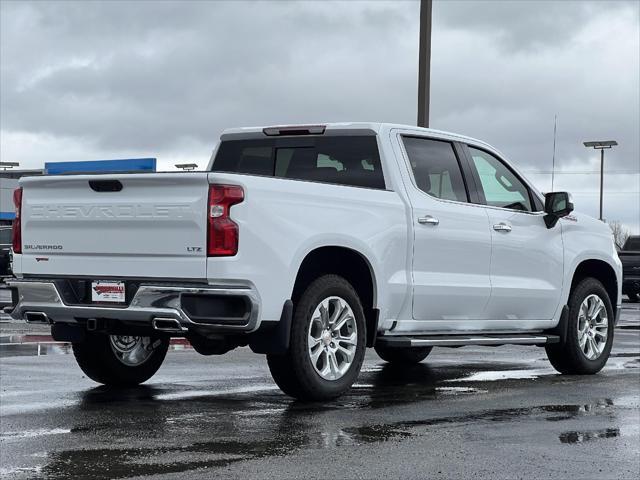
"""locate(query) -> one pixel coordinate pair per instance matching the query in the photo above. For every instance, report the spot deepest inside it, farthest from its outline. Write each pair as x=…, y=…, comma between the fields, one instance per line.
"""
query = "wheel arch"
x=350, y=264
x=601, y=271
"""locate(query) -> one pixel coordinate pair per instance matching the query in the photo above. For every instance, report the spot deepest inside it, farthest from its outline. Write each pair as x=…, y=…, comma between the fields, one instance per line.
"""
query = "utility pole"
x=553, y=159
x=424, y=63
x=601, y=145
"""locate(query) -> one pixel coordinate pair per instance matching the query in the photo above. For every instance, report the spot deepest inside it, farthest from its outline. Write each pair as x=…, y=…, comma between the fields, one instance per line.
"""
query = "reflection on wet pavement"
x=579, y=437
x=187, y=423
x=247, y=426
x=289, y=429
x=37, y=345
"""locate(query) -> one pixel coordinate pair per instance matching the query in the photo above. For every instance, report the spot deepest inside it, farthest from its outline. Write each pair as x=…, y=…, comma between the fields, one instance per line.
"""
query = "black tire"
x=404, y=356
x=97, y=359
x=633, y=297
x=568, y=357
x=294, y=372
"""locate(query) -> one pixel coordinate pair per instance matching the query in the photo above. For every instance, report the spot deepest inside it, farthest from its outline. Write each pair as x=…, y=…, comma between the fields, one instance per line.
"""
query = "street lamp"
x=601, y=145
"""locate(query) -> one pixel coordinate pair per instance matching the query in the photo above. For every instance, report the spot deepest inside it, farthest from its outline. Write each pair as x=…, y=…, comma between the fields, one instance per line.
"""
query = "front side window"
x=500, y=186
x=342, y=160
x=435, y=168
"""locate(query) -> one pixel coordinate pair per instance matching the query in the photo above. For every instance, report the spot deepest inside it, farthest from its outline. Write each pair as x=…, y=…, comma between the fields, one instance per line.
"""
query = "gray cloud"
x=109, y=79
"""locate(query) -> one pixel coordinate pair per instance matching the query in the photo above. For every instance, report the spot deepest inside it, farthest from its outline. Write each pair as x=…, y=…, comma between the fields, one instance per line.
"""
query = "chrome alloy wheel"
x=132, y=351
x=332, y=338
x=593, y=327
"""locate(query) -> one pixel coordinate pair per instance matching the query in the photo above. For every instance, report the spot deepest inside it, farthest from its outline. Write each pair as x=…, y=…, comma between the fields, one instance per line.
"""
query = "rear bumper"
x=160, y=307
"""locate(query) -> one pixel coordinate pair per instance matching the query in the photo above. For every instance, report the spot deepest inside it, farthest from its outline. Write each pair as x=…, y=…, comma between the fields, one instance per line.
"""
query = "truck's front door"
x=526, y=257
x=452, y=242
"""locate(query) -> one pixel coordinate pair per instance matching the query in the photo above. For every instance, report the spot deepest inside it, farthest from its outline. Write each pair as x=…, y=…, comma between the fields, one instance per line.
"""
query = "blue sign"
x=7, y=215
x=101, y=166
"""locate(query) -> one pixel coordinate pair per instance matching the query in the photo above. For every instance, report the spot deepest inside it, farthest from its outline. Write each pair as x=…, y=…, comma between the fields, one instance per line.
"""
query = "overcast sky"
x=117, y=79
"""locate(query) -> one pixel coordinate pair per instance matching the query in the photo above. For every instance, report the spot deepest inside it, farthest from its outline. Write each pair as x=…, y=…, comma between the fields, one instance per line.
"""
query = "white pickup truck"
x=310, y=244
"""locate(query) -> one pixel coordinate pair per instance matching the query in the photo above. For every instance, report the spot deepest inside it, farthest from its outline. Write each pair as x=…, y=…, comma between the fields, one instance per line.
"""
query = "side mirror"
x=556, y=205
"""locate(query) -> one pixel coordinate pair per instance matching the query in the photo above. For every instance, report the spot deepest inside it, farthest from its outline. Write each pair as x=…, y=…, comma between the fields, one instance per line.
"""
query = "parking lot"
x=484, y=412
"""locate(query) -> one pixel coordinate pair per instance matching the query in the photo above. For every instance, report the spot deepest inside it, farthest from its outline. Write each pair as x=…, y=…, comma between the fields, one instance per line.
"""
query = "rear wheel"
x=120, y=359
x=589, y=331
x=327, y=342
x=405, y=356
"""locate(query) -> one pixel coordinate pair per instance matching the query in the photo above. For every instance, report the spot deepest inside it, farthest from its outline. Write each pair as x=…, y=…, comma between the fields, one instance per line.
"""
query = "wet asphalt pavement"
x=470, y=412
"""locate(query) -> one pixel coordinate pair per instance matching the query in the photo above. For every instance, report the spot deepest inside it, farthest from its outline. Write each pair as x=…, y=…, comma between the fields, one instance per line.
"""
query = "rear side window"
x=342, y=160
x=435, y=168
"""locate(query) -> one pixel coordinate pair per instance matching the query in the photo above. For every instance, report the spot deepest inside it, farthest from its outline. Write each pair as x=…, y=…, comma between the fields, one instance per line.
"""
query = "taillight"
x=16, y=238
x=222, y=231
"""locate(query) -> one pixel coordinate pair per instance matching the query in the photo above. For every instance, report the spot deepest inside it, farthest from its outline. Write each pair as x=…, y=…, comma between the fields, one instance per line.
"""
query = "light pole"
x=424, y=63
x=601, y=145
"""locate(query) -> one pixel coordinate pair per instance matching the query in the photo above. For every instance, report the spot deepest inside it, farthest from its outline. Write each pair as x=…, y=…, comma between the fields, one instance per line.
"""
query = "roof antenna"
x=553, y=159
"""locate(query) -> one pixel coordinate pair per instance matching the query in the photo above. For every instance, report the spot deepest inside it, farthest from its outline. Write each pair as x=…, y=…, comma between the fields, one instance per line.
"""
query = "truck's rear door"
x=126, y=225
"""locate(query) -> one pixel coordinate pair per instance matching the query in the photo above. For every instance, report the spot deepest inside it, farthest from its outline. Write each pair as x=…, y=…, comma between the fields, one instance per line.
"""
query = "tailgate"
x=127, y=225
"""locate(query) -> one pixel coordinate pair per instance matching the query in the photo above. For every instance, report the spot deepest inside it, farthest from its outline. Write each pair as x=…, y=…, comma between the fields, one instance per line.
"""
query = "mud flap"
x=274, y=339
x=561, y=329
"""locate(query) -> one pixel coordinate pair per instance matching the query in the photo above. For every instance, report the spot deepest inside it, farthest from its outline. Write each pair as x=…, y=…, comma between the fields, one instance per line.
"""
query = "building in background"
x=8, y=183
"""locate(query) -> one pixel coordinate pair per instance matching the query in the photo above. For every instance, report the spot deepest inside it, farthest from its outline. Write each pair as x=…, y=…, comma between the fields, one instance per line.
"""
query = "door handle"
x=502, y=227
x=428, y=220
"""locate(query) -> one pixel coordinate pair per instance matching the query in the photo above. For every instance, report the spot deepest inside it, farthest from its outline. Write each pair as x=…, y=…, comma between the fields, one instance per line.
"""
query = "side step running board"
x=463, y=340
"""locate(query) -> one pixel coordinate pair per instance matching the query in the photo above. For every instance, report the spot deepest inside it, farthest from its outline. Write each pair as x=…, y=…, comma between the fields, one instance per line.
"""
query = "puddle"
x=11, y=472
x=493, y=376
x=635, y=363
x=37, y=345
x=580, y=437
x=284, y=431
x=34, y=433
x=214, y=393
x=458, y=390
x=133, y=462
x=407, y=428
x=375, y=433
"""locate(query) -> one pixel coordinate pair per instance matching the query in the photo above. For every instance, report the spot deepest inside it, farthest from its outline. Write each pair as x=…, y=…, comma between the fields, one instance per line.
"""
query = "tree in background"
x=620, y=233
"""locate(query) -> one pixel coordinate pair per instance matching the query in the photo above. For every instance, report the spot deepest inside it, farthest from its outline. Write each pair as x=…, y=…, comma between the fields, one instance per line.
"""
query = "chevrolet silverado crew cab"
x=310, y=244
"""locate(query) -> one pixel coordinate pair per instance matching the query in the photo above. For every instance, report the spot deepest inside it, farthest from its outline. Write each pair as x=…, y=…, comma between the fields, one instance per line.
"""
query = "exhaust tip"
x=170, y=325
x=36, y=317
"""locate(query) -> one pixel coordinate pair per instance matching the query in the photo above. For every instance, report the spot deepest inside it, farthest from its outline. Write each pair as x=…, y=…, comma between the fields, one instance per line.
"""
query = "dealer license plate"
x=107, y=291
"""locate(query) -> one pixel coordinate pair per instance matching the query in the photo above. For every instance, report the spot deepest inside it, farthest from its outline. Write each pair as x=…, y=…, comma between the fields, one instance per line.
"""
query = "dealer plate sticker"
x=107, y=291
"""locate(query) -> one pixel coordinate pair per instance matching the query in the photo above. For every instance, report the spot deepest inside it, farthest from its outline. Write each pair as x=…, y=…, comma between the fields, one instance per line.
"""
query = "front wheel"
x=589, y=331
x=327, y=342
x=120, y=359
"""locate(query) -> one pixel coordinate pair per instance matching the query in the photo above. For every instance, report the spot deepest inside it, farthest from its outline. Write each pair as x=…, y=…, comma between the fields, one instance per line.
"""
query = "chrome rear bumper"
x=152, y=306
